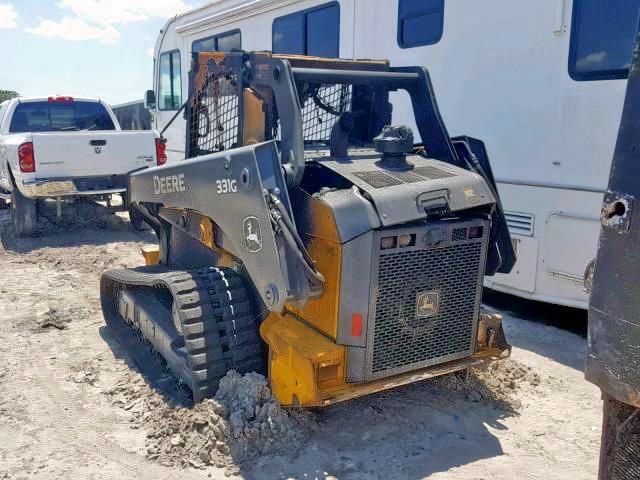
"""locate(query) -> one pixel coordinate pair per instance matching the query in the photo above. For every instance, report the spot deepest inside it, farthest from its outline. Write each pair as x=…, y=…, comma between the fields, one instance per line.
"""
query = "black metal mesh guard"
x=215, y=115
x=321, y=110
x=321, y=107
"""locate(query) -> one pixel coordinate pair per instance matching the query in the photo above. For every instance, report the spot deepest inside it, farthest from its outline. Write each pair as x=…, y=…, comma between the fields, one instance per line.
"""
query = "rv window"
x=315, y=31
x=323, y=32
x=602, y=39
x=170, y=82
x=420, y=22
x=223, y=42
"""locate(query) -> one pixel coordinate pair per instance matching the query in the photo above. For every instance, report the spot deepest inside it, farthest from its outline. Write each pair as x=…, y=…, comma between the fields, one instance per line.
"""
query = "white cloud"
x=8, y=16
x=109, y=12
x=150, y=52
x=591, y=59
x=96, y=19
x=74, y=29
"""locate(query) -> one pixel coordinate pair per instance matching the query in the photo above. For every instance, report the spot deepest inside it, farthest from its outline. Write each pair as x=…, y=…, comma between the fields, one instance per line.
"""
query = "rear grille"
x=408, y=177
x=432, y=173
x=378, y=179
x=519, y=223
x=447, y=279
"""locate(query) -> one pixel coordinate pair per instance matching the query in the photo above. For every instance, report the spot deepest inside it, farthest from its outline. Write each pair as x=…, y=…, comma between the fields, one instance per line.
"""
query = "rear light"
x=161, y=151
x=60, y=99
x=388, y=242
x=356, y=325
x=407, y=240
x=476, y=232
x=26, y=159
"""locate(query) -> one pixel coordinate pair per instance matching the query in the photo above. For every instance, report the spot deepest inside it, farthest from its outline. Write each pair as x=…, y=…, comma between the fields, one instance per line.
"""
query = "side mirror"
x=150, y=100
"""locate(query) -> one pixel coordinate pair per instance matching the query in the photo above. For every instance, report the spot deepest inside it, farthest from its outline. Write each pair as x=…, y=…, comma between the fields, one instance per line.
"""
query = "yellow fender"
x=302, y=362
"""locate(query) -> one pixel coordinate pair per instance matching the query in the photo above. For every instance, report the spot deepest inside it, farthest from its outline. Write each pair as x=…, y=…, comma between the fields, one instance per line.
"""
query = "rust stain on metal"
x=205, y=59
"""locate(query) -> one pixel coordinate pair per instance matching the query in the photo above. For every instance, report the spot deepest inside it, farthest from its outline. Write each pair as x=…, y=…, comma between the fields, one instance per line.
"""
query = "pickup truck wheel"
x=23, y=213
x=137, y=220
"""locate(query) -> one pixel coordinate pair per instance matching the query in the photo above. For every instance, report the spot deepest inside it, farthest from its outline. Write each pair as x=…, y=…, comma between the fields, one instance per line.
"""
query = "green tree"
x=7, y=94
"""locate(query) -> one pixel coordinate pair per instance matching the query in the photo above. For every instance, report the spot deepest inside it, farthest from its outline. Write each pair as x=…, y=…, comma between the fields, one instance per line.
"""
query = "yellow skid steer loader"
x=309, y=237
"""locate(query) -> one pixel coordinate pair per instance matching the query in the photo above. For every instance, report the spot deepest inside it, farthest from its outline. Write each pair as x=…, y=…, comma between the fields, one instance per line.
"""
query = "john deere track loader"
x=308, y=237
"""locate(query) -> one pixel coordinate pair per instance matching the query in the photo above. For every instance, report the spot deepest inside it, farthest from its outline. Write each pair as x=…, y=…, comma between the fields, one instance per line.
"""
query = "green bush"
x=7, y=94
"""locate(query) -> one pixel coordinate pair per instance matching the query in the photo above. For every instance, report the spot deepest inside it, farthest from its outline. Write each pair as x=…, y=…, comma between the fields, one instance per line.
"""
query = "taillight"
x=60, y=99
x=26, y=159
x=388, y=242
x=161, y=151
x=356, y=325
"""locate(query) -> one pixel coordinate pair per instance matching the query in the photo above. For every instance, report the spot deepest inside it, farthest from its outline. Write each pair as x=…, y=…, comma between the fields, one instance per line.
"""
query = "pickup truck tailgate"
x=94, y=153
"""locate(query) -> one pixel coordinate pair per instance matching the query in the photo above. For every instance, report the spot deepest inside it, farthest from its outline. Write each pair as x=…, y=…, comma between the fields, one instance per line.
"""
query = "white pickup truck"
x=61, y=147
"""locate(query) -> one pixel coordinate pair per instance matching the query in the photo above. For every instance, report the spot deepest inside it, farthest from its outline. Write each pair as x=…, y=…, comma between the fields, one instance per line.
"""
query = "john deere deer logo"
x=252, y=234
x=427, y=304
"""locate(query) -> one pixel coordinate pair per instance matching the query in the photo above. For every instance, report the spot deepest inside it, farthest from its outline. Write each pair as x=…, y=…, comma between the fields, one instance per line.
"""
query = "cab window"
x=170, y=81
x=602, y=38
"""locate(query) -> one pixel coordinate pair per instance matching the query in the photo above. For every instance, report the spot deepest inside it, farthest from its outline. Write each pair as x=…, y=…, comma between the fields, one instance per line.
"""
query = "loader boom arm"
x=243, y=190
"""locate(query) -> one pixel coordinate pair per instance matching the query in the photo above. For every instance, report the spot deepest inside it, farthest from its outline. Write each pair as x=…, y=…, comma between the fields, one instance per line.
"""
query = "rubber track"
x=219, y=329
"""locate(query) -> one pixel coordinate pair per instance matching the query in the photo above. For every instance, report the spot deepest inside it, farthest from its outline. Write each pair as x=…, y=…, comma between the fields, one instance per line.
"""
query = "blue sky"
x=82, y=47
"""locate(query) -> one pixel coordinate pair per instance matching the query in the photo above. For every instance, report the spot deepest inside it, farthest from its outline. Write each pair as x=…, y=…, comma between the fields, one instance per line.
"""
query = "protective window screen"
x=224, y=42
x=324, y=104
x=310, y=32
x=602, y=38
x=420, y=22
x=321, y=109
x=170, y=82
x=215, y=116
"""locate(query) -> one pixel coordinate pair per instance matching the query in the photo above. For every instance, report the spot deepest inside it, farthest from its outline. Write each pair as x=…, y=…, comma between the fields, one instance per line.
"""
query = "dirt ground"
x=71, y=406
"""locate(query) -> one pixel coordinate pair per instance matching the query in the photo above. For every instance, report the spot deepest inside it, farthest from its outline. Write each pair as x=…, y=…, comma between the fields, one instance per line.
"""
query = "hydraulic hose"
x=301, y=250
x=292, y=230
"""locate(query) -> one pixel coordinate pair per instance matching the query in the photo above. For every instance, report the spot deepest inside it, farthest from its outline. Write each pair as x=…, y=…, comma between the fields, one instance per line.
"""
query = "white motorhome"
x=542, y=82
